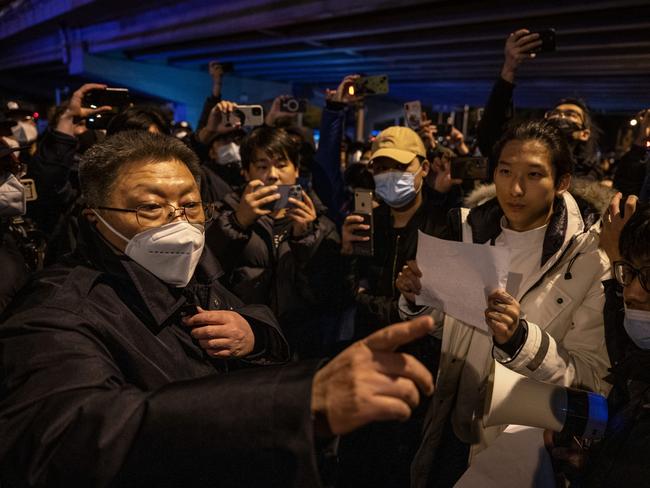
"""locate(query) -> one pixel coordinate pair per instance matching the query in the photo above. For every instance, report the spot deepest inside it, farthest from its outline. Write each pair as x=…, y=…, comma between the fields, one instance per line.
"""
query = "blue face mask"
x=396, y=188
x=637, y=326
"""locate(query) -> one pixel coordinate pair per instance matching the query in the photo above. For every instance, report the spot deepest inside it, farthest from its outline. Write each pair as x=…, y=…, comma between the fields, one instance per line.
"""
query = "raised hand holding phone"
x=252, y=204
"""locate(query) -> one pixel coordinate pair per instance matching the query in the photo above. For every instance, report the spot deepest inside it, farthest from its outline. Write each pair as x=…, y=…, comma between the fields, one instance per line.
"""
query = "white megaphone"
x=515, y=399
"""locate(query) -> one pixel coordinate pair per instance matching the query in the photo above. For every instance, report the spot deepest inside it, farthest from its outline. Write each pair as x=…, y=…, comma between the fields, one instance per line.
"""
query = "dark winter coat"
x=102, y=385
x=299, y=277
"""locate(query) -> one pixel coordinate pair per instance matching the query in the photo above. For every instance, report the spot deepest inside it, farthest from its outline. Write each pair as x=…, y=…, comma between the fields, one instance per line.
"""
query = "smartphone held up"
x=286, y=192
x=369, y=85
x=363, y=208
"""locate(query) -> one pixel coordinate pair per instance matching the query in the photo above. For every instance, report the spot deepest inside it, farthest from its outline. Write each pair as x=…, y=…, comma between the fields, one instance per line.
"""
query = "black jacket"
x=13, y=266
x=300, y=278
x=380, y=454
x=631, y=171
x=622, y=458
x=102, y=386
x=54, y=170
x=377, y=305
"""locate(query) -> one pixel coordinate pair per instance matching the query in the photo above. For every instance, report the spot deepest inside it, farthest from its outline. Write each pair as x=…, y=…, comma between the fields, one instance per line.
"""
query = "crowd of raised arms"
x=242, y=304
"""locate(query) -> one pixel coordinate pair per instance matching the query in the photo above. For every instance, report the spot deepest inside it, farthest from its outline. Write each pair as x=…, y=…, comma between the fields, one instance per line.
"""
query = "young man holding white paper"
x=548, y=327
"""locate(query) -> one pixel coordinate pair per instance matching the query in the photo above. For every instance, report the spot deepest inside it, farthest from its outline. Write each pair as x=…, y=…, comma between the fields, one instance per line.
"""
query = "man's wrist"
x=508, y=75
x=516, y=341
x=241, y=222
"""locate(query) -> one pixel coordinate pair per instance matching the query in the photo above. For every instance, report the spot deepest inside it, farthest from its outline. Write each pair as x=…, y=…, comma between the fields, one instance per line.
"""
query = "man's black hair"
x=547, y=134
x=138, y=118
x=273, y=141
x=102, y=163
x=634, y=243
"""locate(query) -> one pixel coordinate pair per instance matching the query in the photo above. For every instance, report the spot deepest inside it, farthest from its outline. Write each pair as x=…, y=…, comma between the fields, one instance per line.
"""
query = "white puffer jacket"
x=565, y=342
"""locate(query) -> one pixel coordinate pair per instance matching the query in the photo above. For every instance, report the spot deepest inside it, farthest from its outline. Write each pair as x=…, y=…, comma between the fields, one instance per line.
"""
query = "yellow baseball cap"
x=399, y=143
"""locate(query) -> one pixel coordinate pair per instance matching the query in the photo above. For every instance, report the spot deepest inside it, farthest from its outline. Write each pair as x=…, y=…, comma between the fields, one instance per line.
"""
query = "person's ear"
x=563, y=184
x=583, y=135
x=213, y=153
x=426, y=166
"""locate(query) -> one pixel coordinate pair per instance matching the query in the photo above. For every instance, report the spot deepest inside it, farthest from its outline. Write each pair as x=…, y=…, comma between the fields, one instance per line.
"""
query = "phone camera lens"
x=292, y=105
x=257, y=111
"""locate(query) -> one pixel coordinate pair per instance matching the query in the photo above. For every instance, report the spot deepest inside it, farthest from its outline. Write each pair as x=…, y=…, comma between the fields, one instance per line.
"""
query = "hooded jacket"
x=563, y=306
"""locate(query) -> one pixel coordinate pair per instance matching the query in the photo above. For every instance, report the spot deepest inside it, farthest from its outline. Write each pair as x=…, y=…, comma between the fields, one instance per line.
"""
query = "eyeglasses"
x=156, y=214
x=564, y=114
x=625, y=274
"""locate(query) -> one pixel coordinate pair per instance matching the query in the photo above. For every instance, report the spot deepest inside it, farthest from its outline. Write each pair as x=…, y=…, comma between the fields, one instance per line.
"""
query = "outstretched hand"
x=370, y=382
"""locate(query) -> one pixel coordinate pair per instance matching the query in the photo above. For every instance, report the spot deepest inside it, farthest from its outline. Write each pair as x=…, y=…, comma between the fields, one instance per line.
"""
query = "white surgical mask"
x=170, y=252
x=228, y=154
x=637, y=326
x=24, y=132
x=13, y=200
x=396, y=188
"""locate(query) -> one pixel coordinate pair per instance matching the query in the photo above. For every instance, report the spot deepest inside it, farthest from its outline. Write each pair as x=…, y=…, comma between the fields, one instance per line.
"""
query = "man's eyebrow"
x=536, y=166
x=156, y=190
x=506, y=163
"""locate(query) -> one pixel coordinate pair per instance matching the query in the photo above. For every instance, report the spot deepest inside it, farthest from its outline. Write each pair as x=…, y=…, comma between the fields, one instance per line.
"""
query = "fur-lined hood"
x=591, y=192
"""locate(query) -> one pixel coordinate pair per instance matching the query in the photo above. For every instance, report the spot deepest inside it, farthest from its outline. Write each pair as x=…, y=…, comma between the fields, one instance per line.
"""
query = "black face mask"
x=567, y=127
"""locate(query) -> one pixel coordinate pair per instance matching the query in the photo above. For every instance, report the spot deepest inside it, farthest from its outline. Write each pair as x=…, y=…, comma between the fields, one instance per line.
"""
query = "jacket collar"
x=566, y=221
x=153, y=300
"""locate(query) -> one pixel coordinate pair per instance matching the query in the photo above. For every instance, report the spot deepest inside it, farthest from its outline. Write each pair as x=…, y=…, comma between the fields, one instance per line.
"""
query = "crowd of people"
x=191, y=308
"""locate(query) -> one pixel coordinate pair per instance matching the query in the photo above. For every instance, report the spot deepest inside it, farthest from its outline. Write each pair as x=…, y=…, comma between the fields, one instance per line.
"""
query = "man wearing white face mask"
x=12, y=204
x=218, y=146
x=25, y=131
x=119, y=359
